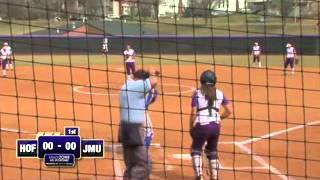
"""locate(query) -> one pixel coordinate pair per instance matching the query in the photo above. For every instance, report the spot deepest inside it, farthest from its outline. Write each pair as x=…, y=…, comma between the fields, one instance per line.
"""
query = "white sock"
x=197, y=165
x=7, y=66
x=292, y=71
x=259, y=64
x=11, y=66
x=4, y=72
x=213, y=168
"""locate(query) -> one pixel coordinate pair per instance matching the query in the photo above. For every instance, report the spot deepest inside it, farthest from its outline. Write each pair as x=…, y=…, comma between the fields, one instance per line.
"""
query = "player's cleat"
x=199, y=178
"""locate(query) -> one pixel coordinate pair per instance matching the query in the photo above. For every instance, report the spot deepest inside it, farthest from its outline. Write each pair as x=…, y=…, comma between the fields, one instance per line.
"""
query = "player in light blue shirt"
x=135, y=124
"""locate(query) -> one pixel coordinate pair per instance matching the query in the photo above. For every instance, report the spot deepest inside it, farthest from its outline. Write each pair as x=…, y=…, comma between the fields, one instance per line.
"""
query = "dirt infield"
x=274, y=132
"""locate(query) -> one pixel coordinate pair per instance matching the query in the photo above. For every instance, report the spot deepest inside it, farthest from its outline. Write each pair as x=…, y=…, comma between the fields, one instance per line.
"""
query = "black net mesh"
x=60, y=77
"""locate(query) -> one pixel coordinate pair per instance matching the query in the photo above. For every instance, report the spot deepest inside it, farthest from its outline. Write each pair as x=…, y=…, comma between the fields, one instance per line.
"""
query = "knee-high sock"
x=197, y=165
x=213, y=168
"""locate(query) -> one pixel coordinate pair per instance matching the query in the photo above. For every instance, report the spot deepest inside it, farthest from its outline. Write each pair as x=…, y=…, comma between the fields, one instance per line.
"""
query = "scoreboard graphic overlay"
x=60, y=150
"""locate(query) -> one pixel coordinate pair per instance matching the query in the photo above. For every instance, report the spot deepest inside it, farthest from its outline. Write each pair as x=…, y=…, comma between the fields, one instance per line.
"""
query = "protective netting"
x=61, y=77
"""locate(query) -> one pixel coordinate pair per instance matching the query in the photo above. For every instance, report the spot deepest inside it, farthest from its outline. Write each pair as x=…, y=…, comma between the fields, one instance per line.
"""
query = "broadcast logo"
x=60, y=150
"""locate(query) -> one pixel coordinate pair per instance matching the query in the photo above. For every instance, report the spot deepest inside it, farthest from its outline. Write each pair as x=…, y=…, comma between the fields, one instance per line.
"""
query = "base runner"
x=129, y=55
x=205, y=123
x=291, y=55
x=256, y=52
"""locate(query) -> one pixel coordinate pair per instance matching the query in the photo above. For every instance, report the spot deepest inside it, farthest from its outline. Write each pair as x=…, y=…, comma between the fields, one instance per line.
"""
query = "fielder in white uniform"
x=256, y=52
x=290, y=58
x=105, y=47
x=129, y=55
x=5, y=53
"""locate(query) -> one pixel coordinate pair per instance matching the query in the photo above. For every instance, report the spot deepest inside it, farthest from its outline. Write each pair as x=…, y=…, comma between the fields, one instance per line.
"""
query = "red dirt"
x=264, y=102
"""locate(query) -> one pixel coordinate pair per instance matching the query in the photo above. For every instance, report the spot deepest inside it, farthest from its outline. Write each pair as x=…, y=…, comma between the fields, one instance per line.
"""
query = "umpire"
x=135, y=126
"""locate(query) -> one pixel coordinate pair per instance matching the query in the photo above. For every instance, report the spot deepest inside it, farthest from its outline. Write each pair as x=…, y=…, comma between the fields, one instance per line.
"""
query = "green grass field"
x=235, y=24
x=91, y=60
x=25, y=27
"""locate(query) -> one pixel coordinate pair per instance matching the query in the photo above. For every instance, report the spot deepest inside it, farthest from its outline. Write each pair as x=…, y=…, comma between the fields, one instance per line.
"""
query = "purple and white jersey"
x=291, y=52
x=4, y=53
x=203, y=117
x=256, y=50
x=129, y=55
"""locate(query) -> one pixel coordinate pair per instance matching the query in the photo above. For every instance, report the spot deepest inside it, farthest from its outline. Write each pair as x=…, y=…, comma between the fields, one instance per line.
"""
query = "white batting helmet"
x=256, y=43
x=288, y=45
x=5, y=44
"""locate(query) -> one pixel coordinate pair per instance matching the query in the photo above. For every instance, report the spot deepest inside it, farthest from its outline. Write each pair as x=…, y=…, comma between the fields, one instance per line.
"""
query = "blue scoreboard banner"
x=60, y=150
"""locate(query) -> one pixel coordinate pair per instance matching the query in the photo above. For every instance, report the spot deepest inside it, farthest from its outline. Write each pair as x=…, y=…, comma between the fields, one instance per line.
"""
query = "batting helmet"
x=5, y=44
x=208, y=77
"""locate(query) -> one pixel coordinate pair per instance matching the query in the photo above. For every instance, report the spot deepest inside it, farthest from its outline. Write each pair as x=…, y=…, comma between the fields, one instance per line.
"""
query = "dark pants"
x=135, y=153
x=205, y=133
x=256, y=58
x=3, y=63
x=289, y=61
x=9, y=61
x=131, y=67
x=105, y=51
x=138, y=162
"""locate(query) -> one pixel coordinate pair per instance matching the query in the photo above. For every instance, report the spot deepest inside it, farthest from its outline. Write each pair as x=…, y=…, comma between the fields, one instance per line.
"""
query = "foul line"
x=16, y=131
x=278, y=133
x=261, y=161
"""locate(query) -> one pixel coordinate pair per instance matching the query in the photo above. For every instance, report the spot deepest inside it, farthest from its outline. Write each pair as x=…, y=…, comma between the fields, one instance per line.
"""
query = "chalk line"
x=16, y=131
x=279, y=132
x=261, y=161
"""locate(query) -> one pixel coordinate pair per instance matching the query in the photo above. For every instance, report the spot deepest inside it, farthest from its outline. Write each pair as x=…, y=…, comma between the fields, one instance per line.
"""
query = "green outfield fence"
x=165, y=44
